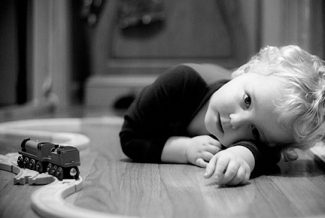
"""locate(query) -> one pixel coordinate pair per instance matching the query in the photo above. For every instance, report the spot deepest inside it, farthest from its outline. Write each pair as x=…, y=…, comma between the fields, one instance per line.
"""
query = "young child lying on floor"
x=272, y=104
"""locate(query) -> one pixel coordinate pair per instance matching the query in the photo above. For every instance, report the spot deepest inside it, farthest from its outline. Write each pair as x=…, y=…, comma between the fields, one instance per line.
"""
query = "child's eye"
x=255, y=133
x=247, y=100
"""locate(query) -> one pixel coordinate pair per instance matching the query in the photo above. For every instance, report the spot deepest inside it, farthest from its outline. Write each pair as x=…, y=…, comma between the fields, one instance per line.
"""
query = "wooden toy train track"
x=47, y=199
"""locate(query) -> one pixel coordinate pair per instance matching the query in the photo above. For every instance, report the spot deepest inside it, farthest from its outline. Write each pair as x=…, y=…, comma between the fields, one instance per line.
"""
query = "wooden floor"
x=115, y=185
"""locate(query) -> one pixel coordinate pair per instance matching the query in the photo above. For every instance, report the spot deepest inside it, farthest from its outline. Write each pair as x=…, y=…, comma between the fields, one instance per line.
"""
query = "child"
x=273, y=103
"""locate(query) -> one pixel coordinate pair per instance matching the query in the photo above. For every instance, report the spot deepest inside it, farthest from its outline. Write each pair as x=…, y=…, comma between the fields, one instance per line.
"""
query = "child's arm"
x=160, y=111
x=232, y=166
x=197, y=150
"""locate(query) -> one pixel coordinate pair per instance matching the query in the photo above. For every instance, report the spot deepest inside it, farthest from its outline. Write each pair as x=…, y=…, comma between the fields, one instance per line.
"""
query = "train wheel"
x=74, y=172
x=26, y=162
x=59, y=173
x=53, y=170
x=39, y=167
x=49, y=168
x=32, y=164
x=20, y=161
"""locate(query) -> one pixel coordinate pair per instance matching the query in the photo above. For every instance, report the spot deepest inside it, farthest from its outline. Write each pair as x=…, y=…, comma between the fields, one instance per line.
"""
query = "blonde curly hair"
x=302, y=108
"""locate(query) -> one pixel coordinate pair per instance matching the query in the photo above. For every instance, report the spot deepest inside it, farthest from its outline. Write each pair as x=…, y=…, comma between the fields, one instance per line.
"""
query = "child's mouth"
x=219, y=125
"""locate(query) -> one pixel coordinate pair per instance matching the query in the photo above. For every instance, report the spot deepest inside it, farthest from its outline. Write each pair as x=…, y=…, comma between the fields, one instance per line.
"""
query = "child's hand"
x=228, y=168
x=201, y=149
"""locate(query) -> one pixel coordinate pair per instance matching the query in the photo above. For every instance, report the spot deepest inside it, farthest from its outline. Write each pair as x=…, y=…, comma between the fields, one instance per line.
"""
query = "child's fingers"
x=213, y=149
x=207, y=156
x=247, y=175
x=210, y=167
x=239, y=178
x=201, y=163
x=221, y=167
x=216, y=143
x=231, y=171
x=213, y=146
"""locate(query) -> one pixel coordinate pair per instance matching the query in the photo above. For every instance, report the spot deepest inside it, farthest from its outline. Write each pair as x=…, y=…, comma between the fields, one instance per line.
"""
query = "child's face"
x=244, y=109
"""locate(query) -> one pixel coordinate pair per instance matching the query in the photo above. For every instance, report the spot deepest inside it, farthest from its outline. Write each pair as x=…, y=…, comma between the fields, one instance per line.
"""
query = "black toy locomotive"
x=57, y=160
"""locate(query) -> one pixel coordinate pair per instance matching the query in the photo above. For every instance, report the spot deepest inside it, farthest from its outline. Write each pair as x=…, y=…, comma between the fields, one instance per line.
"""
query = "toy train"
x=57, y=160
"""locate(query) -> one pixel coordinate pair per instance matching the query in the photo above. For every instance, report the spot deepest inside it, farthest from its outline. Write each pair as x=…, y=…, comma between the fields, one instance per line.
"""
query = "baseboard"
x=104, y=90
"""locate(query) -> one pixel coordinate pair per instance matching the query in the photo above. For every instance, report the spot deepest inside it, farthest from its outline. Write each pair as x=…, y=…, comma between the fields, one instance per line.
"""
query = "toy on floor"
x=49, y=200
x=57, y=160
x=8, y=163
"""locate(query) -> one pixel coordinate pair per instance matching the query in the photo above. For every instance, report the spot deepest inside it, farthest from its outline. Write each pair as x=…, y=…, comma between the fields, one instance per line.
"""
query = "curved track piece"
x=48, y=201
x=51, y=198
x=8, y=163
x=52, y=130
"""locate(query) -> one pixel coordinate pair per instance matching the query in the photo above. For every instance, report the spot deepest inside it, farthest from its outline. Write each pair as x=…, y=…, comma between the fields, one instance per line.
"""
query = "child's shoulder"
x=209, y=72
x=180, y=74
x=194, y=75
x=182, y=70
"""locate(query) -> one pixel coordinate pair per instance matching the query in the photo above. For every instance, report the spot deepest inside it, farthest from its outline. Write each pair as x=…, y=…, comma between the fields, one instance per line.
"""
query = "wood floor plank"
x=181, y=191
x=15, y=201
x=5, y=179
x=172, y=190
x=271, y=202
x=308, y=198
x=140, y=190
x=115, y=185
x=101, y=187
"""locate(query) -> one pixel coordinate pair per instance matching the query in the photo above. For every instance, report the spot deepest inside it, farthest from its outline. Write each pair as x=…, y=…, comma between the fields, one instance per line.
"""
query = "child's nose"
x=238, y=120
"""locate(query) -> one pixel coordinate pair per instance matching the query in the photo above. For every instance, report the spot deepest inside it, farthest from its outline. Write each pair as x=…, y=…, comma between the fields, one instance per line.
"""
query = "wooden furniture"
x=114, y=186
x=125, y=60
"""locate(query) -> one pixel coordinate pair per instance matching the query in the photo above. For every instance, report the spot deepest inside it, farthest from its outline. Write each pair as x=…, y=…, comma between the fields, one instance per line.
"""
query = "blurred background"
x=99, y=54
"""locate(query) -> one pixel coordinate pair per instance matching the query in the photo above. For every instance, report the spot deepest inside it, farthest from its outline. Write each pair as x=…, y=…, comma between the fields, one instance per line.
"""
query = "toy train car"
x=57, y=160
